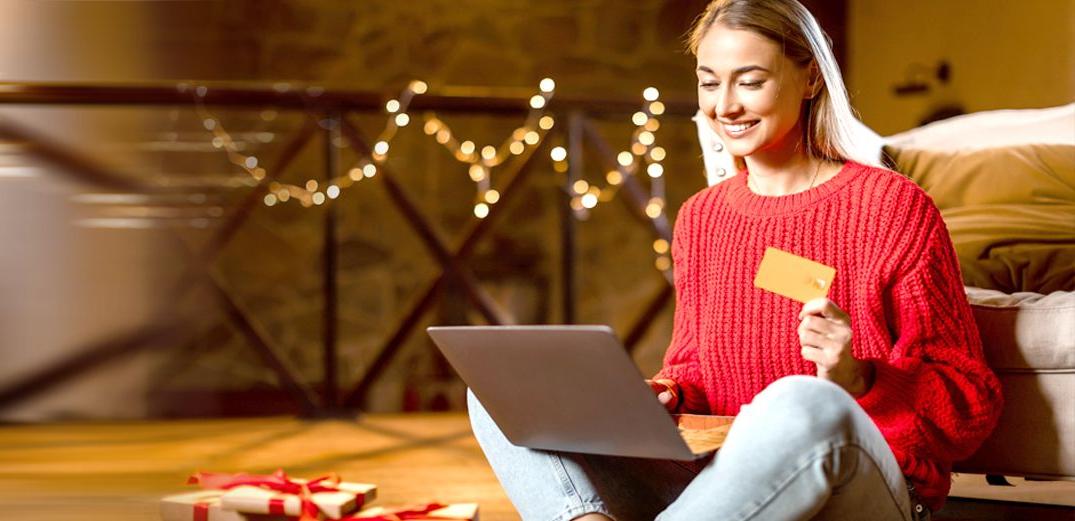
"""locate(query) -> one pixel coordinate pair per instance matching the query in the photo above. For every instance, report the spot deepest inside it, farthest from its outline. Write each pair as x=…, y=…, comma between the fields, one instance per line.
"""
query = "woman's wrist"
x=864, y=377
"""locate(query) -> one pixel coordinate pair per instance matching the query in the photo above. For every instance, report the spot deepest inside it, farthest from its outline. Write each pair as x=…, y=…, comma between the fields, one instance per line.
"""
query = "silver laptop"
x=565, y=388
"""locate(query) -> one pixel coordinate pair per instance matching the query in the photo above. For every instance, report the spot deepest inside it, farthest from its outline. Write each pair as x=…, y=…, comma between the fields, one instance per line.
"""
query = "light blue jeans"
x=802, y=449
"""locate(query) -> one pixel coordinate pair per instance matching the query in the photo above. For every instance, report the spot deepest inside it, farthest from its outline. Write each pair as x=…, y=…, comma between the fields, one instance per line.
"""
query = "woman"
x=848, y=407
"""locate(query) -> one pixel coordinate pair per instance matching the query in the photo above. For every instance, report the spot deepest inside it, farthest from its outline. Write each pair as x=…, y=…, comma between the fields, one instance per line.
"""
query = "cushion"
x=1010, y=211
x=1013, y=248
x=1029, y=341
x=992, y=128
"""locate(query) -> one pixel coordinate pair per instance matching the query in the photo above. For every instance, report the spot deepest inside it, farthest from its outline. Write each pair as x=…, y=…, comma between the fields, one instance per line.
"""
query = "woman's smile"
x=737, y=129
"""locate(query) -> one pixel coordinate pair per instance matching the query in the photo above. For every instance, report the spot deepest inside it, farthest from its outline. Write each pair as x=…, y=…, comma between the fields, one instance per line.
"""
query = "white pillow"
x=993, y=128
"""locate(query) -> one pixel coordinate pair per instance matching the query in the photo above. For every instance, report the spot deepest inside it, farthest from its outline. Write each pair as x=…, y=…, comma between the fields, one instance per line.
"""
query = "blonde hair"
x=831, y=131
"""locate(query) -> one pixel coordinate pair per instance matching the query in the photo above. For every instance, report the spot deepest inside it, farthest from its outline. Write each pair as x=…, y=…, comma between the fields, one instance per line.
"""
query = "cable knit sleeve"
x=681, y=358
x=933, y=397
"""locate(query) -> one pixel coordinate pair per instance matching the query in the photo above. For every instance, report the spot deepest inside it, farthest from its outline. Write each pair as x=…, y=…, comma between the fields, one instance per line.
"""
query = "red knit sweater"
x=933, y=396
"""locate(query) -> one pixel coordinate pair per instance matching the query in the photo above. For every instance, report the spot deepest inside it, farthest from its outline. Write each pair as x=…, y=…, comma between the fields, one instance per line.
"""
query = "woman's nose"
x=727, y=105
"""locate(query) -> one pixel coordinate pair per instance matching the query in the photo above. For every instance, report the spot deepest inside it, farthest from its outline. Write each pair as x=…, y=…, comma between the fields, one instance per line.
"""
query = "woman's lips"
x=738, y=129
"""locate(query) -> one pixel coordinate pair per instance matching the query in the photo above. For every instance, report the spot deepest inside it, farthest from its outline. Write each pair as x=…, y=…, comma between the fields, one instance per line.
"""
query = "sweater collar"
x=743, y=199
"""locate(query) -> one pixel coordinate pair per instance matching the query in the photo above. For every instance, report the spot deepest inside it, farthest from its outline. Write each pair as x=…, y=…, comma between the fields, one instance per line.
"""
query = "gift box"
x=332, y=504
x=279, y=495
x=203, y=505
x=431, y=512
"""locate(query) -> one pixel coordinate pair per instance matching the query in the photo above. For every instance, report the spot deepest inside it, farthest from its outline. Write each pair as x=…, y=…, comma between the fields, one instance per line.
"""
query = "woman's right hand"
x=667, y=392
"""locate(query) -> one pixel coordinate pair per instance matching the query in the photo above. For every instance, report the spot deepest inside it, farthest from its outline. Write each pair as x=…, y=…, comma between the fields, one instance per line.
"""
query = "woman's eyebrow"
x=740, y=70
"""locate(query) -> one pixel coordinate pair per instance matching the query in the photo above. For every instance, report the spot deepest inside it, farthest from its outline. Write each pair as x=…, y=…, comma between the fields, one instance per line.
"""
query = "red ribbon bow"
x=404, y=514
x=277, y=481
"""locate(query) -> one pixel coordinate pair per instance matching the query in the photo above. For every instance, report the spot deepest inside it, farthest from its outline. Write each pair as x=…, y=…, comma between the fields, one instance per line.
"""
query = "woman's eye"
x=708, y=84
x=752, y=84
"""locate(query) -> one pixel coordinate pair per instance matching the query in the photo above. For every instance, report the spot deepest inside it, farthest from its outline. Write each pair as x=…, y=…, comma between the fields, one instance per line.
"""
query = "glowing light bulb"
x=492, y=196
x=419, y=87
x=488, y=152
x=655, y=170
x=392, y=106
x=516, y=147
x=467, y=147
x=625, y=158
x=646, y=137
x=581, y=186
x=546, y=122
x=537, y=101
x=402, y=120
x=547, y=85
x=332, y=191
x=589, y=201
x=431, y=127
x=369, y=170
x=614, y=177
x=381, y=148
x=660, y=246
x=311, y=185
x=656, y=108
x=477, y=173
x=532, y=138
x=651, y=94
x=639, y=118
x=558, y=153
x=270, y=199
x=481, y=210
x=657, y=154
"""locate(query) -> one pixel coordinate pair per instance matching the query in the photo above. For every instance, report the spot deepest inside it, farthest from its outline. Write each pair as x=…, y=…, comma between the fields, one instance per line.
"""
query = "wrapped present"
x=334, y=505
x=203, y=505
x=278, y=494
x=430, y=512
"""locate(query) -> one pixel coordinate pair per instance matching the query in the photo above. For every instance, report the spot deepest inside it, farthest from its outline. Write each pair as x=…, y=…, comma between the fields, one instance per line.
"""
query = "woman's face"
x=750, y=93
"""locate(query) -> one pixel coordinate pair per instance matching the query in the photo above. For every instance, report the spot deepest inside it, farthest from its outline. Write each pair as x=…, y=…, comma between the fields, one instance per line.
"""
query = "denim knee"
x=807, y=406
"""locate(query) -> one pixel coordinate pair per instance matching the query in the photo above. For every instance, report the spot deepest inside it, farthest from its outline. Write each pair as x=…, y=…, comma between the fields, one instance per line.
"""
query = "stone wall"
x=596, y=49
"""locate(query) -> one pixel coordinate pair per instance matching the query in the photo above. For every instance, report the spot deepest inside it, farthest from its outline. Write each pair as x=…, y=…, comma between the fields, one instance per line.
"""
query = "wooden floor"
x=119, y=471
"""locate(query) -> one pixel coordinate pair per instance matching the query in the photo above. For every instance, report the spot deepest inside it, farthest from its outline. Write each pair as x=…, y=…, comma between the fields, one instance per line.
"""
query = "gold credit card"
x=793, y=276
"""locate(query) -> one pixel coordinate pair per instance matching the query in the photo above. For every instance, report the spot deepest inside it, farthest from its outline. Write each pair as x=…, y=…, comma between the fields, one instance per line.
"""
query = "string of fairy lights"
x=480, y=164
x=643, y=153
x=313, y=192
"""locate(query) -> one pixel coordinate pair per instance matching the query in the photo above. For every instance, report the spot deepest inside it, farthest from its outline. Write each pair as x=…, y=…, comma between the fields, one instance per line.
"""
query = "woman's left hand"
x=825, y=337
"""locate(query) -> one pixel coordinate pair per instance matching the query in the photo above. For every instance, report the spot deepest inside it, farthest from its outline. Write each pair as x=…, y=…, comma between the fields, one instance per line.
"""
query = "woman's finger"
x=815, y=355
x=826, y=308
x=818, y=325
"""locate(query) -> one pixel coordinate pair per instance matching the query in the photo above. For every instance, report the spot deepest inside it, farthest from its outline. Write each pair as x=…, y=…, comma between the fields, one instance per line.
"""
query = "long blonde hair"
x=831, y=130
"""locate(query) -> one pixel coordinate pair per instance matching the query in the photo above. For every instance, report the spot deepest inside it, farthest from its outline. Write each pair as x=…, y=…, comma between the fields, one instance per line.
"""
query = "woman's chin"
x=740, y=149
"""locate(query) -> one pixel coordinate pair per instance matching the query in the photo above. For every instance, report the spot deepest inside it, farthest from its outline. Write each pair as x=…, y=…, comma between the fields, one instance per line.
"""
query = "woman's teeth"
x=739, y=128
